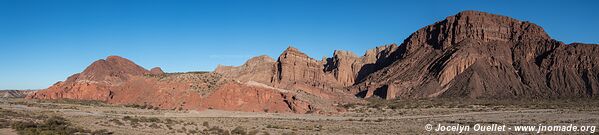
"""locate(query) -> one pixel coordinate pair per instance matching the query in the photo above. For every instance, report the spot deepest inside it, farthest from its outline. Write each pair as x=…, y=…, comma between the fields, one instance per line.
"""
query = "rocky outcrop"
x=117, y=80
x=95, y=82
x=258, y=69
x=110, y=71
x=348, y=68
x=480, y=55
x=294, y=67
x=343, y=69
x=156, y=71
x=296, y=70
x=239, y=97
x=344, y=66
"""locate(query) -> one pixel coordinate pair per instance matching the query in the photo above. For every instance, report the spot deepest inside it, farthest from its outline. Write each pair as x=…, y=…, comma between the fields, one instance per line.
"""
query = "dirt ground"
x=401, y=117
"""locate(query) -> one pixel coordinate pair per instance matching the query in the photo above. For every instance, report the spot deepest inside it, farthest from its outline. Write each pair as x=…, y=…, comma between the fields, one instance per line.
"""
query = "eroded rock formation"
x=117, y=80
x=95, y=82
x=296, y=68
x=260, y=69
x=480, y=55
x=156, y=71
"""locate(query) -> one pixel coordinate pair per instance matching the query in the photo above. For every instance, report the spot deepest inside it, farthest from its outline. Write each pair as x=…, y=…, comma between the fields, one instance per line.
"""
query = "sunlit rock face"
x=481, y=55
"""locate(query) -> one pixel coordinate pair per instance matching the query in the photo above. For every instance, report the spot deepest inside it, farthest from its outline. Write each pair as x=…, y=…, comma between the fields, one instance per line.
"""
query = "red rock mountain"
x=95, y=82
x=326, y=79
x=481, y=55
x=471, y=54
x=119, y=81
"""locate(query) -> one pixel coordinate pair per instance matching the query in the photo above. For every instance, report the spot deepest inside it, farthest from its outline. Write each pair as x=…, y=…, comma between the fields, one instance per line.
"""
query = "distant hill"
x=15, y=93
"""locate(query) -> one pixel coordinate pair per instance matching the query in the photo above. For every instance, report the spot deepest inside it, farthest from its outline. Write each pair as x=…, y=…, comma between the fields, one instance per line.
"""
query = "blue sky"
x=45, y=41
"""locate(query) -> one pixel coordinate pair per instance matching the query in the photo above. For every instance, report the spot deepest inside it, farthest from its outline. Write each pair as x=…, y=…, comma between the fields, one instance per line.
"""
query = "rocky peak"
x=156, y=71
x=257, y=69
x=259, y=60
x=475, y=25
x=379, y=53
x=294, y=53
x=347, y=67
x=342, y=53
x=113, y=68
x=477, y=54
x=294, y=66
x=116, y=58
x=344, y=66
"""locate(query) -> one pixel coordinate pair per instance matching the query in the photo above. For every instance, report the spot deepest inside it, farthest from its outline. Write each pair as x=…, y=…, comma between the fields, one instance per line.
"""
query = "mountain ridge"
x=471, y=54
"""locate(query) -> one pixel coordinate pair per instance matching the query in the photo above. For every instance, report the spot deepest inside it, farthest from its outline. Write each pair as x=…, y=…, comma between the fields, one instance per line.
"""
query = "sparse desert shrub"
x=218, y=130
x=78, y=102
x=154, y=125
x=169, y=127
x=8, y=114
x=275, y=126
x=168, y=121
x=253, y=132
x=4, y=123
x=188, y=124
x=193, y=132
x=205, y=124
x=348, y=105
x=133, y=106
x=152, y=119
x=102, y=132
x=239, y=130
x=290, y=133
x=145, y=106
x=51, y=126
x=130, y=119
x=117, y=122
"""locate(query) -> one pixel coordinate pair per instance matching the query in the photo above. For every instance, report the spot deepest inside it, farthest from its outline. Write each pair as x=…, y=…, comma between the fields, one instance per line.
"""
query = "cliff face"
x=296, y=70
x=348, y=69
x=471, y=54
x=476, y=54
x=294, y=67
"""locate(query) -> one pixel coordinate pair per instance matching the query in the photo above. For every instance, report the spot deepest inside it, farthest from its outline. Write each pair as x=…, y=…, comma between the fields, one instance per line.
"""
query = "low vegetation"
x=378, y=103
x=77, y=102
x=142, y=106
x=30, y=124
x=52, y=126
